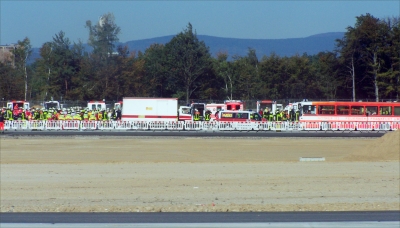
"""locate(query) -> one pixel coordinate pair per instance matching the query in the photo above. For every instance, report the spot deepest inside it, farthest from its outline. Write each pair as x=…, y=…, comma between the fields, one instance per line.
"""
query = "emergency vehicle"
x=184, y=113
x=200, y=107
x=96, y=105
x=52, y=104
x=136, y=108
x=349, y=111
x=213, y=107
x=234, y=105
x=238, y=116
x=20, y=104
x=271, y=105
x=118, y=105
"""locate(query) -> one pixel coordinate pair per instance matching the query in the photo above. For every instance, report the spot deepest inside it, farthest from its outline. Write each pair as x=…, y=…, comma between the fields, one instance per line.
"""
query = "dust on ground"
x=106, y=174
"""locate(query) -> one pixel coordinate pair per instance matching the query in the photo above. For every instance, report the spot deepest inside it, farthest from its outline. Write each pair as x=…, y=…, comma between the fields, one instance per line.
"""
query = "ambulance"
x=238, y=116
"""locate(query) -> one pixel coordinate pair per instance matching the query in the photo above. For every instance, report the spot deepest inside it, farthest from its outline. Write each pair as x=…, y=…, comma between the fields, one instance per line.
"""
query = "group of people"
x=279, y=115
x=18, y=113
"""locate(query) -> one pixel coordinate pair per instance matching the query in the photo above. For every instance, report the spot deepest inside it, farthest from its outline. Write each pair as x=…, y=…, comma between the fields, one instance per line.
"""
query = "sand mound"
x=385, y=148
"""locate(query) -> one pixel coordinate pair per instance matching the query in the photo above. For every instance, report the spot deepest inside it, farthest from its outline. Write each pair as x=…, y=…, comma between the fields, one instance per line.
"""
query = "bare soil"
x=137, y=174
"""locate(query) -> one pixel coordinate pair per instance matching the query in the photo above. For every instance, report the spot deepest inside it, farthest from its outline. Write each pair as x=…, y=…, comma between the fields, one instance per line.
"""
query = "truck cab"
x=18, y=104
x=118, y=105
x=272, y=106
x=184, y=113
x=52, y=104
x=234, y=105
x=200, y=107
x=96, y=105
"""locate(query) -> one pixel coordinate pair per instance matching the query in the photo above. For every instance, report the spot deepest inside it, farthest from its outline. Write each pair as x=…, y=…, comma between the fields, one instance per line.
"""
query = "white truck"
x=152, y=109
x=96, y=105
x=271, y=105
x=52, y=104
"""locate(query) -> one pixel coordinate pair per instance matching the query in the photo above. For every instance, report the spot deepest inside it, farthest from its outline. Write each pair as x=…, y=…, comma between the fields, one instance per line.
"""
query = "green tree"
x=188, y=60
x=224, y=70
x=247, y=77
x=103, y=37
x=156, y=71
x=21, y=56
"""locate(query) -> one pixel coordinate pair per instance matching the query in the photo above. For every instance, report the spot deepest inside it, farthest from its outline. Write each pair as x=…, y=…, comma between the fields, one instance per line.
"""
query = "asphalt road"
x=202, y=217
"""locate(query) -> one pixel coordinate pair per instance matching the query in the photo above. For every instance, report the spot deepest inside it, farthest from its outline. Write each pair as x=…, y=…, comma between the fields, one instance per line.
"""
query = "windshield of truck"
x=51, y=105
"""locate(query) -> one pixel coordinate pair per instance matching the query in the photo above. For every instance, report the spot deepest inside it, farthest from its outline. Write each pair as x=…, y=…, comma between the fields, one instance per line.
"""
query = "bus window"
x=397, y=111
x=343, y=110
x=309, y=109
x=385, y=110
x=326, y=109
x=371, y=110
x=357, y=110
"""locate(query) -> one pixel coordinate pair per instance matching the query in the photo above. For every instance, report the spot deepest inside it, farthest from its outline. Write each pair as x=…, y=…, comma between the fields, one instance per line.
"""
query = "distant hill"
x=282, y=47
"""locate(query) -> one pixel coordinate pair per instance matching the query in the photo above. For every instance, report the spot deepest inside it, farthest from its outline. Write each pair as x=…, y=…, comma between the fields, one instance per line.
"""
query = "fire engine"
x=20, y=104
x=234, y=105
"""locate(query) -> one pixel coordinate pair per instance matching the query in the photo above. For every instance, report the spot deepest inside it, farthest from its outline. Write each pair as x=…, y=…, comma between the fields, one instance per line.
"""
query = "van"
x=238, y=116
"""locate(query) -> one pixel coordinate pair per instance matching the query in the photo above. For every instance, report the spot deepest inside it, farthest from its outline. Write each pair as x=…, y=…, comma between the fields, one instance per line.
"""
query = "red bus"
x=349, y=111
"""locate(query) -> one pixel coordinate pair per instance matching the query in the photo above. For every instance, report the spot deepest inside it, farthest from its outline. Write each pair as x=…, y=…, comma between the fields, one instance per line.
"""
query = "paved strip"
x=208, y=225
x=202, y=217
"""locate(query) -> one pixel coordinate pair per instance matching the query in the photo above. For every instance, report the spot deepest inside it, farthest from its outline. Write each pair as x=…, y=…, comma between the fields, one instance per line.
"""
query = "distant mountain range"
x=232, y=46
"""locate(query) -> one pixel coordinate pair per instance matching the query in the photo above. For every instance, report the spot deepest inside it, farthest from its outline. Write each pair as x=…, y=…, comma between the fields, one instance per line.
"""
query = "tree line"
x=364, y=65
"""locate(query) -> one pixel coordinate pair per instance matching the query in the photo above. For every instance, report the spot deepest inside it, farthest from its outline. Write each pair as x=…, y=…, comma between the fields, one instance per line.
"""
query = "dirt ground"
x=138, y=174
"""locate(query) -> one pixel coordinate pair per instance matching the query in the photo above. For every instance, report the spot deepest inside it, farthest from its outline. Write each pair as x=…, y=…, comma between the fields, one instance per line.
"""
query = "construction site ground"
x=160, y=174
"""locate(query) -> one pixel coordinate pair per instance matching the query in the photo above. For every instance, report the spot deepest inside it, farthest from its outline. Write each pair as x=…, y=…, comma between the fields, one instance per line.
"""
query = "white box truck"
x=152, y=109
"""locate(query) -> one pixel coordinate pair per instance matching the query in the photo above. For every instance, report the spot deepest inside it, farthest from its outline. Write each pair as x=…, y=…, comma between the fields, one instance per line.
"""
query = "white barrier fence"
x=42, y=125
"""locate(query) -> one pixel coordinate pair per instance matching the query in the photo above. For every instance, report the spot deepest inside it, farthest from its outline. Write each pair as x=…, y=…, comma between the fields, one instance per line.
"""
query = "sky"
x=262, y=19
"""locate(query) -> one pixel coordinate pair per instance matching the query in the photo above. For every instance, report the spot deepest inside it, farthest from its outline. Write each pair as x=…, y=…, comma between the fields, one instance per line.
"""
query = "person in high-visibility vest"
x=60, y=116
x=297, y=115
x=207, y=115
x=265, y=114
x=9, y=115
x=99, y=116
x=92, y=117
x=85, y=116
x=68, y=116
x=196, y=116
